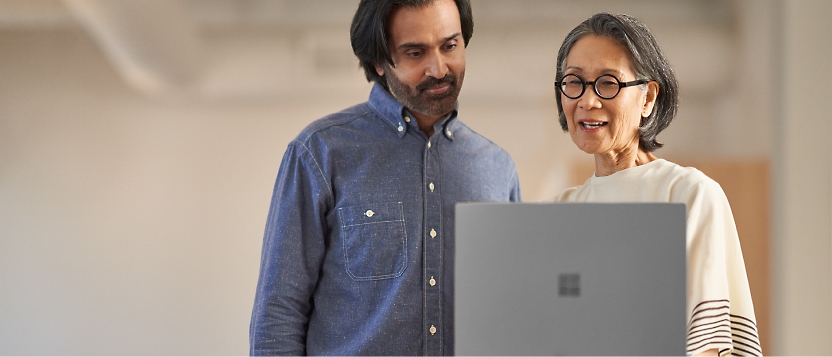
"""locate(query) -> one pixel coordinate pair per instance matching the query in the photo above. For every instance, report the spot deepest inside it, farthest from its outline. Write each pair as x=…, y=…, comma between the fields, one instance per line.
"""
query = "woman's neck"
x=611, y=162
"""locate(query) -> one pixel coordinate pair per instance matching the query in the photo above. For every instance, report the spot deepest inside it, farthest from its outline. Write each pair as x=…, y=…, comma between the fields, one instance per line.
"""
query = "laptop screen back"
x=570, y=279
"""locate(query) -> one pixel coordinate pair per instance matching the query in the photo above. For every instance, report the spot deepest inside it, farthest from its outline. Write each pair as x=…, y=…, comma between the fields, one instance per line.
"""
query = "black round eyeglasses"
x=606, y=85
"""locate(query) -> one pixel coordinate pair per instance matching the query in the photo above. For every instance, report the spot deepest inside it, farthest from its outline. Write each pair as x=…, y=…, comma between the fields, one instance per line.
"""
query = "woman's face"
x=605, y=126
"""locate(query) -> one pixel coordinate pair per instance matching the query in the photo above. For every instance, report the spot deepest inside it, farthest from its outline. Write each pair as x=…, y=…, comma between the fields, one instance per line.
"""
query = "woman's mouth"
x=592, y=125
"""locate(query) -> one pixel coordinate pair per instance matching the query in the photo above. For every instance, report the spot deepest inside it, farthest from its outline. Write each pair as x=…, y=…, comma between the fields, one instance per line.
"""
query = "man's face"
x=429, y=55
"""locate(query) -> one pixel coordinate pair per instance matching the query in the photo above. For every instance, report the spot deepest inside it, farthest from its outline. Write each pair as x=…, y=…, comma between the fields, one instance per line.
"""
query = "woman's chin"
x=590, y=148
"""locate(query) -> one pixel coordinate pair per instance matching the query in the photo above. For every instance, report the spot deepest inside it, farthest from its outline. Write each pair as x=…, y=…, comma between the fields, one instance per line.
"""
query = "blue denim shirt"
x=359, y=244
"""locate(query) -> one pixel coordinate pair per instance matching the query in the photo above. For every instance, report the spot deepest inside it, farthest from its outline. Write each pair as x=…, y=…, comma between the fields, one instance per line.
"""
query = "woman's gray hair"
x=648, y=61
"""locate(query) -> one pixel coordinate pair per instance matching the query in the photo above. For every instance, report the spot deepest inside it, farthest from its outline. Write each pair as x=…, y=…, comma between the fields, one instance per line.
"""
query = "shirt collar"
x=444, y=125
x=394, y=112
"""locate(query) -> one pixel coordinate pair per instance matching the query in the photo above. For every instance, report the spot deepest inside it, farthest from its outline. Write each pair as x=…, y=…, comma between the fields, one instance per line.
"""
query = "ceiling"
x=256, y=47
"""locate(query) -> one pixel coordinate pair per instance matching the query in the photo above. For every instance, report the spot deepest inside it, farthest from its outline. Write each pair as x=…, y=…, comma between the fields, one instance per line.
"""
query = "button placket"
x=433, y=253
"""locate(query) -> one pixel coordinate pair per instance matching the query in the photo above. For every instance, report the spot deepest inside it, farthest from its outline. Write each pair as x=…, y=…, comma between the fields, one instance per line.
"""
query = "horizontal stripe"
x=726, y=332
x=702, y=326
x=712, y=325
x=709, y=302
x=746, y=332
x=704, y=339
x=708, y=308
x=747, y=353
x=693, y=322
x=752, y=339
x=751, y=325
x=744, y=329
x=756, y=349
x=713, y=330
x=746, y=319
x=718, y=341
x=693, y=316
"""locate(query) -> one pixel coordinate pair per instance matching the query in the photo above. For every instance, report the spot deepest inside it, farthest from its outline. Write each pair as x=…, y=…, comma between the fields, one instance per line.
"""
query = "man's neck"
x=426, y=122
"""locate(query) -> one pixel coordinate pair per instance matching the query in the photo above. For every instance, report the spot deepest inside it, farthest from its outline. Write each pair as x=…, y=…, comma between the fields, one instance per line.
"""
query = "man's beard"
x=419, y=100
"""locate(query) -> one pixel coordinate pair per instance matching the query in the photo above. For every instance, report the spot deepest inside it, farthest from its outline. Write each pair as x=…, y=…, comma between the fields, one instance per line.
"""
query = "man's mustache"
x=433, y=82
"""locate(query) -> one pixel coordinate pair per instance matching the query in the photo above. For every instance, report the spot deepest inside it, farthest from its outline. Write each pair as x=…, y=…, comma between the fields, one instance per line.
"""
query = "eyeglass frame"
x=594, y=88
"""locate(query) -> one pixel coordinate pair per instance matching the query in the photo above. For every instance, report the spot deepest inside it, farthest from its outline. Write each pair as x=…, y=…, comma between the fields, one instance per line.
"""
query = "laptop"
x=569, y=279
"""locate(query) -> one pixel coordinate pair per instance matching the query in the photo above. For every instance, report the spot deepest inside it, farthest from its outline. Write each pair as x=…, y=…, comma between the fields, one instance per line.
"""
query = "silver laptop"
x=570, y=279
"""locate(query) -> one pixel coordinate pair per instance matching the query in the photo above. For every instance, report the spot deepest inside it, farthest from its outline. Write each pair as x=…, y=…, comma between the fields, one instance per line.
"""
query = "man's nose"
x=437, y=66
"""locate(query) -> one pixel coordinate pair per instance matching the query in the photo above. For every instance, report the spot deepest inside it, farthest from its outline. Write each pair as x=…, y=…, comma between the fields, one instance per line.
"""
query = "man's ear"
x=379, y=69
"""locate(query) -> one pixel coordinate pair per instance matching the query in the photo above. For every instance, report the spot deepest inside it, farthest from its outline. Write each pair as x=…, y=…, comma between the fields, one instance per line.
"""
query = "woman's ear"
x=650, y=99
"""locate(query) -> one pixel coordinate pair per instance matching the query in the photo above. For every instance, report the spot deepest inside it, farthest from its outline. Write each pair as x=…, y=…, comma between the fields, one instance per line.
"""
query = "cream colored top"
x=719, y=300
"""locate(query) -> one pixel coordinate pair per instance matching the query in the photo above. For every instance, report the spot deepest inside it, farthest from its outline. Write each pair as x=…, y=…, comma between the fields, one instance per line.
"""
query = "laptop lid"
x=570, y=279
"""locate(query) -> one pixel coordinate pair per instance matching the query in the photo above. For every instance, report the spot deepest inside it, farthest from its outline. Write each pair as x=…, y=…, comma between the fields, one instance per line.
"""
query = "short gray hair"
x=648, y=61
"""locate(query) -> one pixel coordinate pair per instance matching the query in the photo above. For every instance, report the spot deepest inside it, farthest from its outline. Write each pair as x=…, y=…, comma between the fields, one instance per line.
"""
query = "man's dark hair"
x=648, y=62
x=368, y=33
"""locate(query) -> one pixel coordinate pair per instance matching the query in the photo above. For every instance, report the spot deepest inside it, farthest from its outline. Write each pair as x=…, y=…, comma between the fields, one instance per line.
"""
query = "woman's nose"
x=589, y=99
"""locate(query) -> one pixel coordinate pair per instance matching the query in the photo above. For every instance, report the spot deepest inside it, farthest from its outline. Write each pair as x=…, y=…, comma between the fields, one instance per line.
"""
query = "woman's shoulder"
x=686, y=184
x=568, y=195
x=659, y=180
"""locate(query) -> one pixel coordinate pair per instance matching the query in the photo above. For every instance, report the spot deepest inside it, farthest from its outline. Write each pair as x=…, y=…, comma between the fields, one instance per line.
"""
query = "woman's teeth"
x=593, y=125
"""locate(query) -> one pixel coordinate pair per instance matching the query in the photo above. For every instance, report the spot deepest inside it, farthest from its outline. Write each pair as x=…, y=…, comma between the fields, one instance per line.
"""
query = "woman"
x=616, y=92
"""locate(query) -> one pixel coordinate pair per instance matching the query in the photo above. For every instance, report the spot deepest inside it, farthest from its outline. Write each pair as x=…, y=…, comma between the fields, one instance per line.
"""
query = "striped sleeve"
x=712, y=326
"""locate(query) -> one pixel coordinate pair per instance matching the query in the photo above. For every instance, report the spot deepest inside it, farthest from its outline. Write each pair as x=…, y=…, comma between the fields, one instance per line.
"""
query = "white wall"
x=128, y=225
x=132, y=224
x=803, y=182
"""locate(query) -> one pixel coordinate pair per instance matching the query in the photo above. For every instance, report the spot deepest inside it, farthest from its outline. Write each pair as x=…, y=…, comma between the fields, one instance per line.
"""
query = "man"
x=358, y=249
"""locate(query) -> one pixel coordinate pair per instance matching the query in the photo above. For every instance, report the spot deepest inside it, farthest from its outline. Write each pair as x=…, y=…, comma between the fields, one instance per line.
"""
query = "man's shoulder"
x=476, y=139
x=334, y=120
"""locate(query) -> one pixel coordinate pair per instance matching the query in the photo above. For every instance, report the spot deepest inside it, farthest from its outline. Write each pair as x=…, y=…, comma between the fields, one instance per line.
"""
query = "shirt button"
x=401, y=128
x=432, y=233
x=432, y=329
x=431, y=187
x=448, y=132
x=369, y=213
x=428, y=144
x=407, y=119
x=432, y=281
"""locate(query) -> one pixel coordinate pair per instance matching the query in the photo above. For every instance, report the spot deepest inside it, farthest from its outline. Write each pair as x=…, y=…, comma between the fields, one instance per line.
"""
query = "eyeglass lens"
x=606, y=86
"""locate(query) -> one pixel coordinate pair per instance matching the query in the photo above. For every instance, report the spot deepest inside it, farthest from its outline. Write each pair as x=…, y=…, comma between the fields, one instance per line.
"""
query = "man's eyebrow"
x=421, y=45
x=451, y=37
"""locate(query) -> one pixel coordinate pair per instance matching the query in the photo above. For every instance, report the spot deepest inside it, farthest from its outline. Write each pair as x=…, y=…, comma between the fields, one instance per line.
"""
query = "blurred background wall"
x=140, y=140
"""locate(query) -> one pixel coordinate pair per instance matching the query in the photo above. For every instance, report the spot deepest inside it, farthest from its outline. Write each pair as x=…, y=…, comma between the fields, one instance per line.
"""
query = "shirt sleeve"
x=293, y=252
x=514, y=195
x=719, y=299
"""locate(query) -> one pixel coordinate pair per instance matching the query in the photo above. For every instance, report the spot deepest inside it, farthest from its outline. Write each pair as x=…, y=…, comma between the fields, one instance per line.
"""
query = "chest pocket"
x=375, y=244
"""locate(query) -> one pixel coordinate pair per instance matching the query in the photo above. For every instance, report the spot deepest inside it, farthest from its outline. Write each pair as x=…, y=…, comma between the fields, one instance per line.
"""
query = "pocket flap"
x=370, y=213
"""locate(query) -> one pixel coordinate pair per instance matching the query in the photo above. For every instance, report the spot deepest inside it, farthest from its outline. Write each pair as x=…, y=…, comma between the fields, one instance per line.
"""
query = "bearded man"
x=359, y=244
